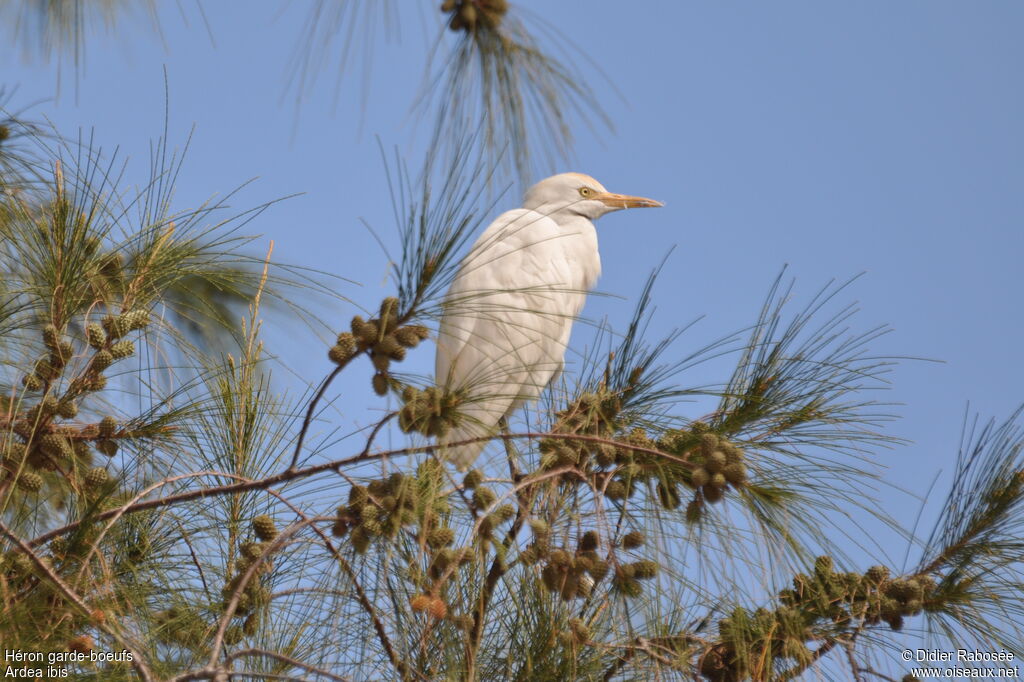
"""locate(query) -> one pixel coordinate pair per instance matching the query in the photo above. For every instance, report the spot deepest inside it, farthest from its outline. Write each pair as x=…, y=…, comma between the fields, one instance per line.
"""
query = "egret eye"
x=586, y=192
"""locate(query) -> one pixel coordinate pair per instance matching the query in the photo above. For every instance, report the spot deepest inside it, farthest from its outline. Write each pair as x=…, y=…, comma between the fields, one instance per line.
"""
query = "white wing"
x=508, y=316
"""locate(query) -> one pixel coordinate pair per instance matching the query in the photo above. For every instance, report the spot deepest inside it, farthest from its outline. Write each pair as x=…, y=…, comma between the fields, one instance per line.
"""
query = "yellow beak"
x=626, y=201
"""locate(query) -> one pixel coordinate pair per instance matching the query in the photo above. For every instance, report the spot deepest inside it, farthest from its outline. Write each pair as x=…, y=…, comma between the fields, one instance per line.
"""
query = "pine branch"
x=138, y=661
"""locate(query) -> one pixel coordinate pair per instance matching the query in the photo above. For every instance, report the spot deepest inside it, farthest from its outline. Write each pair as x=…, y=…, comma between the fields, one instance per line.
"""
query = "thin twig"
x=285, y=659
x=248, y=575
x=294, y=474
x=851, y=658
x=360, y=593
x=376, y=430
x=310, y=410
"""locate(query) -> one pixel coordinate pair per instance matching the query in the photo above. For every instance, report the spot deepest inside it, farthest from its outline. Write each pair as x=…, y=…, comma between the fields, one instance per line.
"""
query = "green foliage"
x=599, y=541
x=977, y=542
x=19, y=156
x=490, y=73
x=500, y=80
x=57, y=28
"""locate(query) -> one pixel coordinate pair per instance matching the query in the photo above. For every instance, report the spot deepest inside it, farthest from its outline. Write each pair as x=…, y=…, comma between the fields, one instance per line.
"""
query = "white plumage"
x=509, y=311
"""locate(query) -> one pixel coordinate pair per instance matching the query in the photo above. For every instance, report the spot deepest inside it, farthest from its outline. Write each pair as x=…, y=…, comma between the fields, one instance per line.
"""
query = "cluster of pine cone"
x=592, y=414
x=572, y=574
x=873, y=596
x=705, y=462
x=37, y=442
x=481, y=502
x=824, y=598
x=255, y=593
x=432, y=412
x=468, y=15
x=719, y=465
x=385, y=506
x=186, y=626
x=383, y=337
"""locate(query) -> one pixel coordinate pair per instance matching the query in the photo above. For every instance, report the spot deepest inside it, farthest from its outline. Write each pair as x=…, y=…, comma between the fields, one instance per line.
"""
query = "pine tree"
x=213, y=537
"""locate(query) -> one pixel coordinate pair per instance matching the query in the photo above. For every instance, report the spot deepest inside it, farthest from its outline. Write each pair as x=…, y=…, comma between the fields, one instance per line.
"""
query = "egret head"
x=579, y=194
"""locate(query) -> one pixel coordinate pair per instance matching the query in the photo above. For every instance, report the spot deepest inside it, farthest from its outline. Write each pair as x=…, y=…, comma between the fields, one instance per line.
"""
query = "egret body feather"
x=509, y=312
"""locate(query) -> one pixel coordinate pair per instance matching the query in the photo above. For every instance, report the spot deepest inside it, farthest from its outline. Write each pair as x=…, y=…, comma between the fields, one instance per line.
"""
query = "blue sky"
x=837, y=138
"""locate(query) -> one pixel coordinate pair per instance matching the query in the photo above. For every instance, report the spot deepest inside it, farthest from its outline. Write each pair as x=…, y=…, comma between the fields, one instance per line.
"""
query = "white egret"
x=509, y=312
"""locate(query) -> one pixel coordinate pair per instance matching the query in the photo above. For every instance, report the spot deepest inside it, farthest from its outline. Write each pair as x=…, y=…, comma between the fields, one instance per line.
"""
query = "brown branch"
x=195, y=559
x=376, y=430
x=619, y=664
x=533, y=480
x=851, y=658
x=226, y=489
x=378, y=626
x=950, y=551
x=643, y=644
x=293, y=474
x=308, y=419
x=286, y=659
x=647, y=645
x=118, y=512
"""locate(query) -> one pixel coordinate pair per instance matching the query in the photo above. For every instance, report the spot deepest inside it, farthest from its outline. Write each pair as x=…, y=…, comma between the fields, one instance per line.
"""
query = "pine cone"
x=96, y=477
x=264, y=527
x=30, y=481
x=122, y=349
x=108, y=425
x=95, y=335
